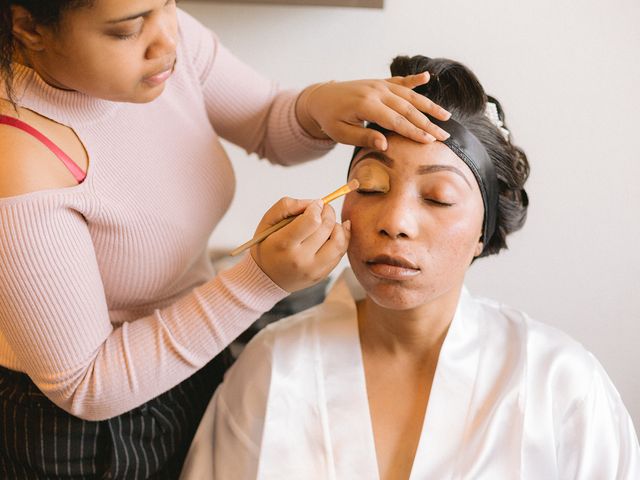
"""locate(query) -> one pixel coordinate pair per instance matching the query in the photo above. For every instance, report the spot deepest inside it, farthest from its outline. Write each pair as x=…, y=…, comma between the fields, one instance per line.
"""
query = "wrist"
x=303, y=115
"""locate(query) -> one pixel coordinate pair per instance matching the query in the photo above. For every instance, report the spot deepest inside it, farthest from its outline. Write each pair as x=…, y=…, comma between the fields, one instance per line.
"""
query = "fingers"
x=317, y=238
x=333, y=249
x=422, y=103
x=283, y=208
x=304, y=226
x=341, y=108
x=396, y=115
x=411, y=81
x=304, y=251
x=310, y=229
x=403, y=87
x=361, y=137
x=406, y=119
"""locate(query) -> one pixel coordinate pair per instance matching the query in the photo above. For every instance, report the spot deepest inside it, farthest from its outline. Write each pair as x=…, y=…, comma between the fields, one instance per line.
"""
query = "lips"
x=392, y=267
x=161, y=75
x=394, y=261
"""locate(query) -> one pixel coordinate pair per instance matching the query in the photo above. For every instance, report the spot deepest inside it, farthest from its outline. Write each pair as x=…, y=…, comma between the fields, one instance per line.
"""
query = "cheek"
x=345, y=213
x=463, y=224
x=107, y=62
x=356, y=211
x=358, y=235
x=457, y=243
x=352, y=209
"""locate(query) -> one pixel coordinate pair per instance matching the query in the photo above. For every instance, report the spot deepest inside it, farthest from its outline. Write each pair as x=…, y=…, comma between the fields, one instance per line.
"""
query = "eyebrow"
x=129, y=17
x=422, y=169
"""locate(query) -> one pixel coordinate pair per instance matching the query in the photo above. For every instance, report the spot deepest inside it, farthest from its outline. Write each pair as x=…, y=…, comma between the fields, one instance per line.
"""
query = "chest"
x=398, y=397
x=161, y=182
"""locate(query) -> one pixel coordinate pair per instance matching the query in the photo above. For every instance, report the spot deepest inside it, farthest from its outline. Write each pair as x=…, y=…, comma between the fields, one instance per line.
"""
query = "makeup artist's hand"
x=305, y=251
x=338, y=110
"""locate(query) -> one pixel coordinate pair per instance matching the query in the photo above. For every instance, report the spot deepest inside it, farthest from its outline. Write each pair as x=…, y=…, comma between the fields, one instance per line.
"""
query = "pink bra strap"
x=73, y=167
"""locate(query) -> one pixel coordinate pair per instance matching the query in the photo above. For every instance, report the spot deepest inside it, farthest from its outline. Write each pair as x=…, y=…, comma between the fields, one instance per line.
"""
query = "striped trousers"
x=40, y=440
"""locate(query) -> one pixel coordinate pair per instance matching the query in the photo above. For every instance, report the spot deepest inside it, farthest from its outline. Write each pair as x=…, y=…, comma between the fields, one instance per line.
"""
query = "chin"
x=396, y=296
x=394, y=304
x=148, y=96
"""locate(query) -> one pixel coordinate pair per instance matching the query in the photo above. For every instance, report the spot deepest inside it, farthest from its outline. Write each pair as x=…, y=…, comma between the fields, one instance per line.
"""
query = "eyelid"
x=363, y=191
x=125, y=36
x=372, y=177
x=438, y=203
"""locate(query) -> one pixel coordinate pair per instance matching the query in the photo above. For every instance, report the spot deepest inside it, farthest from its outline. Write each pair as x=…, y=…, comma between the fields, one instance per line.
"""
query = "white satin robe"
x=511, y=399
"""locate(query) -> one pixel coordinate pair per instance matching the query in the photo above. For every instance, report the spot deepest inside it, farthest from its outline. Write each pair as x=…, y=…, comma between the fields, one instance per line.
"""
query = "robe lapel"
x=317, y=415
x=348, y=430
x=446, y=418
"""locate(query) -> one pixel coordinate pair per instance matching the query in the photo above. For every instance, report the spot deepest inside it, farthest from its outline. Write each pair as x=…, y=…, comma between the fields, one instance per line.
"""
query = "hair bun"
x=451, y=83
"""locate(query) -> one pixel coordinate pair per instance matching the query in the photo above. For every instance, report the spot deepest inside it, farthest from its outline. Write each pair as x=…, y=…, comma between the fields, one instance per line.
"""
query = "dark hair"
x=456, y=88
x=47, y=12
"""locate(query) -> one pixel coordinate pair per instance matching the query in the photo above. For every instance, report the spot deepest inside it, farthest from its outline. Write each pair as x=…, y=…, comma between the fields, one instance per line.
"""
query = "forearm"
x=142, y=359
x=55, y=324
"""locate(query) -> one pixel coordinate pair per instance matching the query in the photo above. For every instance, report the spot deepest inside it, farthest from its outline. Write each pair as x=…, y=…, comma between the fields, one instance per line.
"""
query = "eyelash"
x=437, y=203
x=430, y=201
x=126, y=36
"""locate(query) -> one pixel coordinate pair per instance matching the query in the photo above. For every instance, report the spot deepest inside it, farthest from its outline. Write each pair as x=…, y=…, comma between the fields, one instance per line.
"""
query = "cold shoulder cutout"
x=32, y=161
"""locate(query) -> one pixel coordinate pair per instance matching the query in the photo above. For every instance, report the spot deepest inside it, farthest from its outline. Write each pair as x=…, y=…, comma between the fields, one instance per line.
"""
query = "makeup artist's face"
x=121, y=50
x=413, y=244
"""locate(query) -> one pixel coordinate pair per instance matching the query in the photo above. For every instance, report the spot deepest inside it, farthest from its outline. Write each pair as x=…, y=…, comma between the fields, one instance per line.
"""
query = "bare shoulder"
x=26, y=164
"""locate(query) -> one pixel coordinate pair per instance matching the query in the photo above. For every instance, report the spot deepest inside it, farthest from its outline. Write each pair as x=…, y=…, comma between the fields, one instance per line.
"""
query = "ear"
x=25, y=29
x=479, y=248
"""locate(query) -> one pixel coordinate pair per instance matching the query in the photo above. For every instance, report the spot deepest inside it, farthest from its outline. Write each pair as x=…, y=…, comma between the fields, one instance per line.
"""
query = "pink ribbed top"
x=106, y=293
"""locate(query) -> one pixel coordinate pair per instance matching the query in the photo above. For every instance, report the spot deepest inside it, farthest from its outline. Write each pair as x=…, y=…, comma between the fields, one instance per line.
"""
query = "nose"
x=164, y=41
x=396, y=218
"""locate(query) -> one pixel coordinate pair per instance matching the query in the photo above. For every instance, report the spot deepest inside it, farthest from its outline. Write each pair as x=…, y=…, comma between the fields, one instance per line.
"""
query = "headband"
x=471, y=151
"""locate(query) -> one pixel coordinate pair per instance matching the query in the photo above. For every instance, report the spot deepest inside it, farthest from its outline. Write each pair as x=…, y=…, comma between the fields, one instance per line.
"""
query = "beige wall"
x=569, y=79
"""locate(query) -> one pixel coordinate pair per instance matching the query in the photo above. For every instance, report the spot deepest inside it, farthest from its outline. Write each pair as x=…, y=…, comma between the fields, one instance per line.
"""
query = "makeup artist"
x=112, y=179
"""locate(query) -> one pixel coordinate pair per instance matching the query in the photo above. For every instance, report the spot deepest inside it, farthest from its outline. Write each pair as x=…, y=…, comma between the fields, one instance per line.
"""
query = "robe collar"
x=349, y=421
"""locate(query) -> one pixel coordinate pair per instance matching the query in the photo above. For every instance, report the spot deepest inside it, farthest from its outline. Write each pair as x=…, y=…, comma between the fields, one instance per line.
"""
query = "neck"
x=21, y=58
x=416, y=334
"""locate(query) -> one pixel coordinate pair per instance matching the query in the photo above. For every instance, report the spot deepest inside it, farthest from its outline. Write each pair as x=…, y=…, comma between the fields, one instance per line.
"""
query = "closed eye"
x=125, y=36
x=364, y=191
x=438, y=203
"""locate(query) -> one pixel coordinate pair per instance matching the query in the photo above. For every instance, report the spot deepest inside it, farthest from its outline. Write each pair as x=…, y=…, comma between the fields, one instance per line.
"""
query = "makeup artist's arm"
x=337, y=110
x=305, y=251
x=243, y=106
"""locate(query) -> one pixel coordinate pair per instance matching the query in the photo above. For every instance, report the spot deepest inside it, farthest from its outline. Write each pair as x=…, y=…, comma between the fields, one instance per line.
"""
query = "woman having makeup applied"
x=112, y=179
x=401, y=373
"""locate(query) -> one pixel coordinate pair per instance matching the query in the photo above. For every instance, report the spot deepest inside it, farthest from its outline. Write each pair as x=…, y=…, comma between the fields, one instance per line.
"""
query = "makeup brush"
x=352, y=185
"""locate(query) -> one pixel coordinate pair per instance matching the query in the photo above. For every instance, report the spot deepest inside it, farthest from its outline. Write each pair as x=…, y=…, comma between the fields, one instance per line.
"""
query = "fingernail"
x=380, y=144
x=447, y=113
x=347, y=225
x=430, y=138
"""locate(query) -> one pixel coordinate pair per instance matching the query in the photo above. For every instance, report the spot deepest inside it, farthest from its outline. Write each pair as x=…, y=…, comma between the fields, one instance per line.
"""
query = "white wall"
x=568, y=76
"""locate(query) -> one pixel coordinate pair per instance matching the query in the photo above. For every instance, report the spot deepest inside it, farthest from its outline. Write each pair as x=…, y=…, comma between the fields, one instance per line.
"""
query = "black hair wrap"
x=471, y=151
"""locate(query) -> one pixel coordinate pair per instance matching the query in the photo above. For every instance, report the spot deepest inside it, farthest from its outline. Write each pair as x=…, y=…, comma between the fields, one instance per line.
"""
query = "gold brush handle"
x=352, y=185
x=262, y=235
